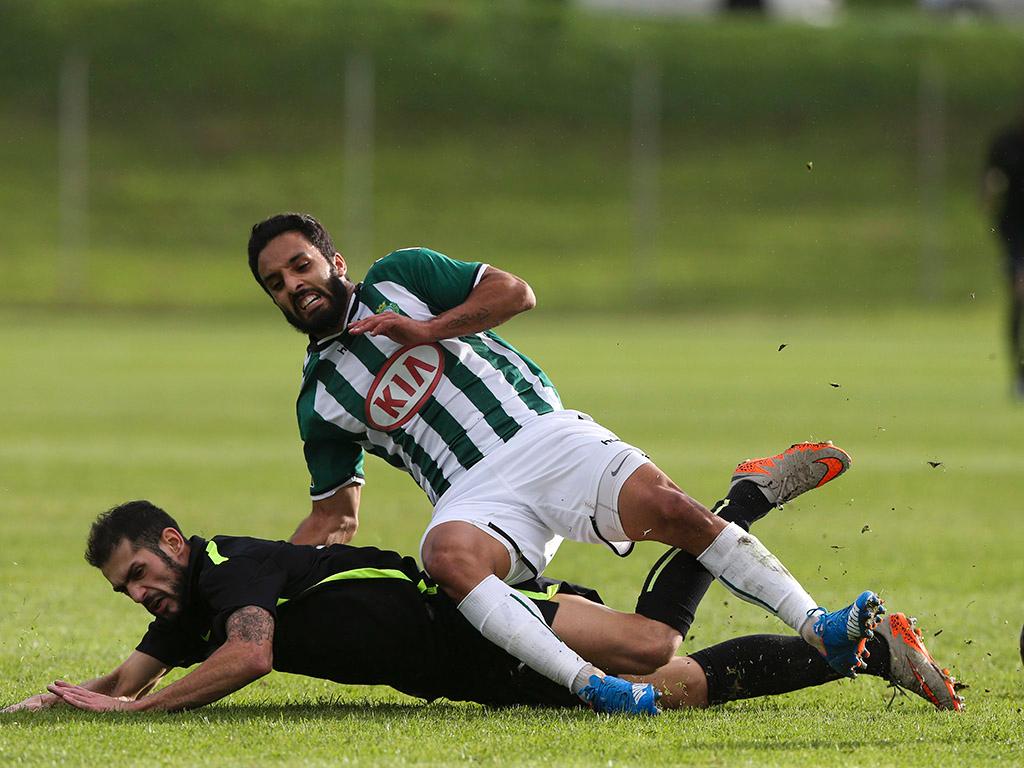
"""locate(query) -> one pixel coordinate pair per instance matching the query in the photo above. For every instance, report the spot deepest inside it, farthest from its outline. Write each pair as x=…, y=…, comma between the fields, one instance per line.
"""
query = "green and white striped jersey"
x=431, y=409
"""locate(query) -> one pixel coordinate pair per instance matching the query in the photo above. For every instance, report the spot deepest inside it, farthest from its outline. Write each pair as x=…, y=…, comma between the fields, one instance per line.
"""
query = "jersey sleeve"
x=332, y=464
x=238, y=582
x=171, y=645
x=333, y=457
x=437, y=280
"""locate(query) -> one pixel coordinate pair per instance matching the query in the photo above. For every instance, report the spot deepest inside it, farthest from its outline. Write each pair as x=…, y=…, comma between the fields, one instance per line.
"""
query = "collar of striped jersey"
x=315, y=344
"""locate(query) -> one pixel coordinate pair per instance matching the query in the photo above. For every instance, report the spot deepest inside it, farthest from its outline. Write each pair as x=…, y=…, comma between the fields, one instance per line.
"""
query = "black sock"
x=878, y=661
x=745, y=505
x=765, y=665
x=677, y=582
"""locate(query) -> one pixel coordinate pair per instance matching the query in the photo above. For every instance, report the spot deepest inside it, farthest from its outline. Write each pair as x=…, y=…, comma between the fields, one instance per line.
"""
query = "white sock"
x=514, y=623
x=752, y=573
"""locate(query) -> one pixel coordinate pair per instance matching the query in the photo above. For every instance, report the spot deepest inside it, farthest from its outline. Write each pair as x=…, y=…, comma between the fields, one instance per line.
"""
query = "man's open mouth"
x=309, y=301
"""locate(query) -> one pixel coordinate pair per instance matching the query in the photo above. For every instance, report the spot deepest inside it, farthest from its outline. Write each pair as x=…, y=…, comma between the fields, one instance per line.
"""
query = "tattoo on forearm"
x=250, y=625
x=466, y=318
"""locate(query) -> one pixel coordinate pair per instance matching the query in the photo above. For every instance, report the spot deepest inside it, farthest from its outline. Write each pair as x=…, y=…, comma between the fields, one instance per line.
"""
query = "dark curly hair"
x=268, y=229
x=141, y=522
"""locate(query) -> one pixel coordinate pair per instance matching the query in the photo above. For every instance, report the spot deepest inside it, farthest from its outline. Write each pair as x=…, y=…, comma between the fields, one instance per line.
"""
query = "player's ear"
x=173, y=540
x=339, y=264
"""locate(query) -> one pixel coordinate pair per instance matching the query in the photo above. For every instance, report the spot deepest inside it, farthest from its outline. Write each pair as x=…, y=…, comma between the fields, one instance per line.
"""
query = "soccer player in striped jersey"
x=406, y=366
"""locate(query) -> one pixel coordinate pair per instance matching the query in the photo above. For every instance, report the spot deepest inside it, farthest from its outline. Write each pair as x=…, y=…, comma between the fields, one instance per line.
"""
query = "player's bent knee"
x=458, y=569
x=657, y=646
x=451, y=567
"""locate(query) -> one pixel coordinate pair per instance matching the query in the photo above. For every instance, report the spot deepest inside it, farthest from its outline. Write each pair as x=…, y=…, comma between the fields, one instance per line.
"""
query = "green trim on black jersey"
x=364, y=573
x=547, y=594
x=215, y=556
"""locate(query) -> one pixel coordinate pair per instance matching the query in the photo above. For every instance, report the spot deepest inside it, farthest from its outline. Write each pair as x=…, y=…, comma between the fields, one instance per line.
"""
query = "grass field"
x=194, y=412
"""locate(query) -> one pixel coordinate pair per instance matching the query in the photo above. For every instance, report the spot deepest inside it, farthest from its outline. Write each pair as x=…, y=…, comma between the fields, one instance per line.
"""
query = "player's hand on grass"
x=83, y=698
x=33, y=703
x=399, y=328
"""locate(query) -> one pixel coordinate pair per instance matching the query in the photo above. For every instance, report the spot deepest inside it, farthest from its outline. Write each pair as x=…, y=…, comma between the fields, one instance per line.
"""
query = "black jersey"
x=1007, y=156
x=356, y=615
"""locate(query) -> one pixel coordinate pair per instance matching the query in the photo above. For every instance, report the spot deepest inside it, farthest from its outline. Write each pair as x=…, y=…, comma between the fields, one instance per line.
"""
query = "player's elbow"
x=525, y=295
x=261, y=668
x=257, y=662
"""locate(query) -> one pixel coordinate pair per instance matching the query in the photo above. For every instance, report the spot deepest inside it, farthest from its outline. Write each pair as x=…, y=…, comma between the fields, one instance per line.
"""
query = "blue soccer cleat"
x=610, y=694
x=844, y=633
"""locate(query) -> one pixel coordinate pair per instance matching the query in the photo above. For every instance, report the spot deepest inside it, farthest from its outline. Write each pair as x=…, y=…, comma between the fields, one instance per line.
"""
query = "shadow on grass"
x=318, y=709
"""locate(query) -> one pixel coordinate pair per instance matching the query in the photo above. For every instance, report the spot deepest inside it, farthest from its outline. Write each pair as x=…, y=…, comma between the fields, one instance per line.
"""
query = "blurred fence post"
x=73, y=174
x=357, y=235
x=645, y=168
x=932, y=173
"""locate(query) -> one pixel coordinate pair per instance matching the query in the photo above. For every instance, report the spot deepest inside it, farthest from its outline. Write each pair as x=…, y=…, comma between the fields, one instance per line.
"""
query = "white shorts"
x=559, y=477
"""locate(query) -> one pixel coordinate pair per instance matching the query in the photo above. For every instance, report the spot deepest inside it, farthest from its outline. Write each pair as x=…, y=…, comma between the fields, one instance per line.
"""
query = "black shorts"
x=385, y=632
x=474, y=669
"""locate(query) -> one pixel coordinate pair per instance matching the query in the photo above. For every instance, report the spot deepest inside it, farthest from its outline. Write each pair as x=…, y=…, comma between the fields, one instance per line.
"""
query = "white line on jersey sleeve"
x=480, y=274
x=354, y=480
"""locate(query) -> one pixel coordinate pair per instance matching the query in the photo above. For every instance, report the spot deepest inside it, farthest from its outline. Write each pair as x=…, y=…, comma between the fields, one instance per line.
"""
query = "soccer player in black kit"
x=239, y=607
x=1003, y=190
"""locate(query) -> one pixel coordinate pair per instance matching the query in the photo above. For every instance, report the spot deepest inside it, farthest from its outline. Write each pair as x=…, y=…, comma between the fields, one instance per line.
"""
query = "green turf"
x=194, y=412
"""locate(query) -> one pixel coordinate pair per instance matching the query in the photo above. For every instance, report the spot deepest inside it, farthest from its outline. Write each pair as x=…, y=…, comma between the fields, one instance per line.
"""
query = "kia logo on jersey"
x=403, y=385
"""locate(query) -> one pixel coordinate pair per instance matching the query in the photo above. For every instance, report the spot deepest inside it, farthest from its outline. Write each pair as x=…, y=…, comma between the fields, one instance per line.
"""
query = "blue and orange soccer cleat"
x=611, y=694
x=796, y=470
x=845, y=632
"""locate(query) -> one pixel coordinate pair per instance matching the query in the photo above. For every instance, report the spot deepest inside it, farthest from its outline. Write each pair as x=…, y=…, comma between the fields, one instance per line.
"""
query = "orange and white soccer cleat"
x=796, y=470
x=913, y=668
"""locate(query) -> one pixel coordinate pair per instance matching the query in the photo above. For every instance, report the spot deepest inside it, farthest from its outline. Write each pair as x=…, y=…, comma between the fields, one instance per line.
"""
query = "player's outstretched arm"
x=334, y=520
x=498, y=297
x=246, y=656
x=135, y=677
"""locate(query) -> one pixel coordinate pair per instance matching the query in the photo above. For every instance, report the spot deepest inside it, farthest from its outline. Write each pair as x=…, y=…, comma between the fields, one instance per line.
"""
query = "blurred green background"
x=696, y=164
x=742, y=232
